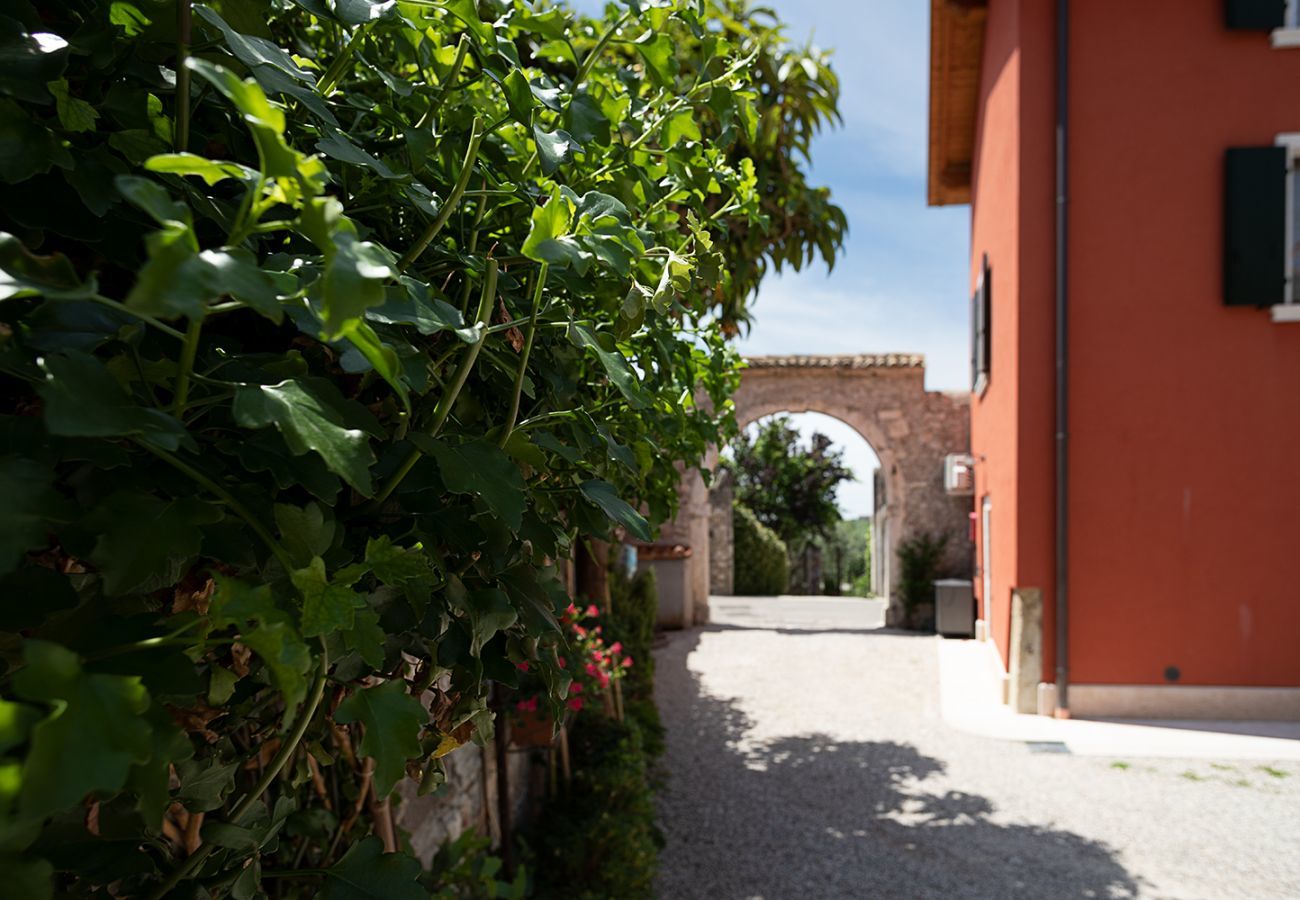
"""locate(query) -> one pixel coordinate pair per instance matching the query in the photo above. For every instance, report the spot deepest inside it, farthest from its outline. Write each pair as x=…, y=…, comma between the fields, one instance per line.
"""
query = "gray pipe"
x=1062, y=371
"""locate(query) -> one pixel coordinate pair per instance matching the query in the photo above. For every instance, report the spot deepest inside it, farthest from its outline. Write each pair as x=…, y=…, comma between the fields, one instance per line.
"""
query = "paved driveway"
x=807, y=759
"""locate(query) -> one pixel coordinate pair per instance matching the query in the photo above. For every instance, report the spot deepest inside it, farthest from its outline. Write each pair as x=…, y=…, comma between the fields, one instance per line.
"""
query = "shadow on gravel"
x=811, y=818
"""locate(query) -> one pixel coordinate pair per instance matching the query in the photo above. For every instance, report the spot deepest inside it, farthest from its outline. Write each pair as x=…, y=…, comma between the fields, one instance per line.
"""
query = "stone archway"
x=911, y=430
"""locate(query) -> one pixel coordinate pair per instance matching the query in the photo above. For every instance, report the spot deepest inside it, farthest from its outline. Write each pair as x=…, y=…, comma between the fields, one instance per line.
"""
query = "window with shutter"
x=982, y=329
x=1261, y=15
x=1255, y=226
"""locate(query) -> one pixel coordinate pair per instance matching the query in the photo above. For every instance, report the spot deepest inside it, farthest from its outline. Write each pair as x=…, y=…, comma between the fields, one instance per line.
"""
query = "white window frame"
x=1289, y=34
x=1289, y=309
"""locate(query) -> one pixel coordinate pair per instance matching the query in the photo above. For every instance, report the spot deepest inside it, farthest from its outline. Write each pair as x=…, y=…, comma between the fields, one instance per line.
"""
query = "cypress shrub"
x=761, y=559
x=599, y=840
x=634, y=602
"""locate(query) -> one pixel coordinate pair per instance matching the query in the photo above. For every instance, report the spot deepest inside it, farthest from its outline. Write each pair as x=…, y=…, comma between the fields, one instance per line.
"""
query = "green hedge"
x=634, y=602
x=599, y=840
x=761, y=559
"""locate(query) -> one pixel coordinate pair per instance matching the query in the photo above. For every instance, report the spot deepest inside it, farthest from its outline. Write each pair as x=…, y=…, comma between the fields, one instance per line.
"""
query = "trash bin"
x=954, y=608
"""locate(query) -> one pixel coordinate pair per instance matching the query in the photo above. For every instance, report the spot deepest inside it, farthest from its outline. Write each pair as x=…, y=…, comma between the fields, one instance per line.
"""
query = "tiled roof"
x=843, y=361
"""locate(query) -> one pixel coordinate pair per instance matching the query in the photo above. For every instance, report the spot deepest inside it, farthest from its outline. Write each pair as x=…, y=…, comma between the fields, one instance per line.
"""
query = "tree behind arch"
x=789, y=487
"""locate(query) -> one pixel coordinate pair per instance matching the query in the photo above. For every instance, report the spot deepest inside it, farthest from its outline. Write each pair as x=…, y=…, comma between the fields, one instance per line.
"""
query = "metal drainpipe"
x=1062, y=372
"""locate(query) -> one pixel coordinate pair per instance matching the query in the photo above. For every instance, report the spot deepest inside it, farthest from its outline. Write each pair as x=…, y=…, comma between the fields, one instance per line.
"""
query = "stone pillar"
x=591, y=571
x=1026, y=649
x=722, y=550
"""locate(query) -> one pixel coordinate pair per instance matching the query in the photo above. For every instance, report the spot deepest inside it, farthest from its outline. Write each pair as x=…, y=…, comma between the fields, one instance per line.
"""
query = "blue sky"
x=901, y=284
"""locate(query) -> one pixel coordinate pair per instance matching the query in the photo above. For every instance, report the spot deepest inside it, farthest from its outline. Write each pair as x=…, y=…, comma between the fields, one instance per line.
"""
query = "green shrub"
x=599, y=840
x=761, y=559
x=464, y=869
x=919, y=558
x=633, y=604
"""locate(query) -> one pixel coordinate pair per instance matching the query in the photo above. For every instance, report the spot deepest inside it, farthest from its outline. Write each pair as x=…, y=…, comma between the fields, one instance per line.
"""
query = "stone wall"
x=883, y=398
x=722, y=551
x=468, y=801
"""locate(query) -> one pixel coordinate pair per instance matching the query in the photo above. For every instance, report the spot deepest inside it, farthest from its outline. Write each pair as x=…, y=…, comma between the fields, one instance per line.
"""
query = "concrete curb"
x=969, y=702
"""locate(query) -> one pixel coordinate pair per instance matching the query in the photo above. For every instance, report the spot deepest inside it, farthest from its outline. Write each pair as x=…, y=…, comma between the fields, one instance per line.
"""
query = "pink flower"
x=604, y=680
x=627, y=662
x=529, y=705
x=616, y=647
x=522, y=667
x=592, y=611
x=575, y=703
x=576, y=687
x=560, y=660
x=579, y=631
x=593, y=670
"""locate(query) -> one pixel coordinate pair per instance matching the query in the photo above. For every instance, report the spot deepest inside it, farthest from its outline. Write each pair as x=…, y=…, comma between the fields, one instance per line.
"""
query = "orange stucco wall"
x=1185, y=414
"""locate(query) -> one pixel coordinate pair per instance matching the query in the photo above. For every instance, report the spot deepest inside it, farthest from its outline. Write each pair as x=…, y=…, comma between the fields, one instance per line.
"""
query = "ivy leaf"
x=151, y=780
x=304, y=532
x=23, y=274
x=366, y=872
x=548, y=239
x=210, y=170
x=657, y=51
x=467, y=12
x=602, y=494
x=74, y=113
x=26, y=147
x=336, y=145
x=403, y=568
x=146, y=543
x=680, y=126
x=267, y=630
x=366, y=638
x=484, y=470
x=554, y=148
x=205, y=785
x=327, y=606
x=82, y=399
x=613, y=362
x=234, y=272
x=353, y=282
x=286, y=657
x=414, y=304
x=382, y=358
x=393, y=719
x=308, y=422
x=152, y=198
x=489, y=611
x=29, y=502
x=519, y=97
x=16, y=722
x=585, y=121
x=254, y=51
x=90, y=741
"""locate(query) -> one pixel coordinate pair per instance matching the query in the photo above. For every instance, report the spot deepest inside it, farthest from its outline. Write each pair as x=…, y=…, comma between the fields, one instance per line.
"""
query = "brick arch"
x=883, y=398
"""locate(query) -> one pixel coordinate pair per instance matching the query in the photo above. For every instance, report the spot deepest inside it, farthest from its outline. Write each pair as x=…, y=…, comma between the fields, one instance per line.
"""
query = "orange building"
x=1135, y=415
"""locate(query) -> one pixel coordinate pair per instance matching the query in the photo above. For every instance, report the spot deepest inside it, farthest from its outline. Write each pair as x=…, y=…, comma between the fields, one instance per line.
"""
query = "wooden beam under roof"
x=956, y=49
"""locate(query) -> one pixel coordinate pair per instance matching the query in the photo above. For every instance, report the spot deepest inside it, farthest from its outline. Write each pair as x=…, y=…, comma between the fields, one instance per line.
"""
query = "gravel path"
x=807, y=759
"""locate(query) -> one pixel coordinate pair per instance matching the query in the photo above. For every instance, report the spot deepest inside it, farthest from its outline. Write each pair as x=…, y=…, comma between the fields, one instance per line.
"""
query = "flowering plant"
x=595, y=666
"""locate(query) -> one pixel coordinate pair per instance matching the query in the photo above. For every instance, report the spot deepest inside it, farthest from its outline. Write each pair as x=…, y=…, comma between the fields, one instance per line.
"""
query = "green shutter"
x=1262, y=15
x=1254, y=226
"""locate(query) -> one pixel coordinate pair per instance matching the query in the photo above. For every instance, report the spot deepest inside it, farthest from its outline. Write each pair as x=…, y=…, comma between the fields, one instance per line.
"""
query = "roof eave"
x=956, y=51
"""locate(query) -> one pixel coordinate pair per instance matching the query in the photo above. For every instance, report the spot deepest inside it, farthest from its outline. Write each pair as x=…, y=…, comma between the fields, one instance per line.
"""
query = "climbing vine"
x=327, y=329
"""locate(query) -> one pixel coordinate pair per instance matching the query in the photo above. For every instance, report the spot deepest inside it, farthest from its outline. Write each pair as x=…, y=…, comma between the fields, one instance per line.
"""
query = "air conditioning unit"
x=959, y=474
